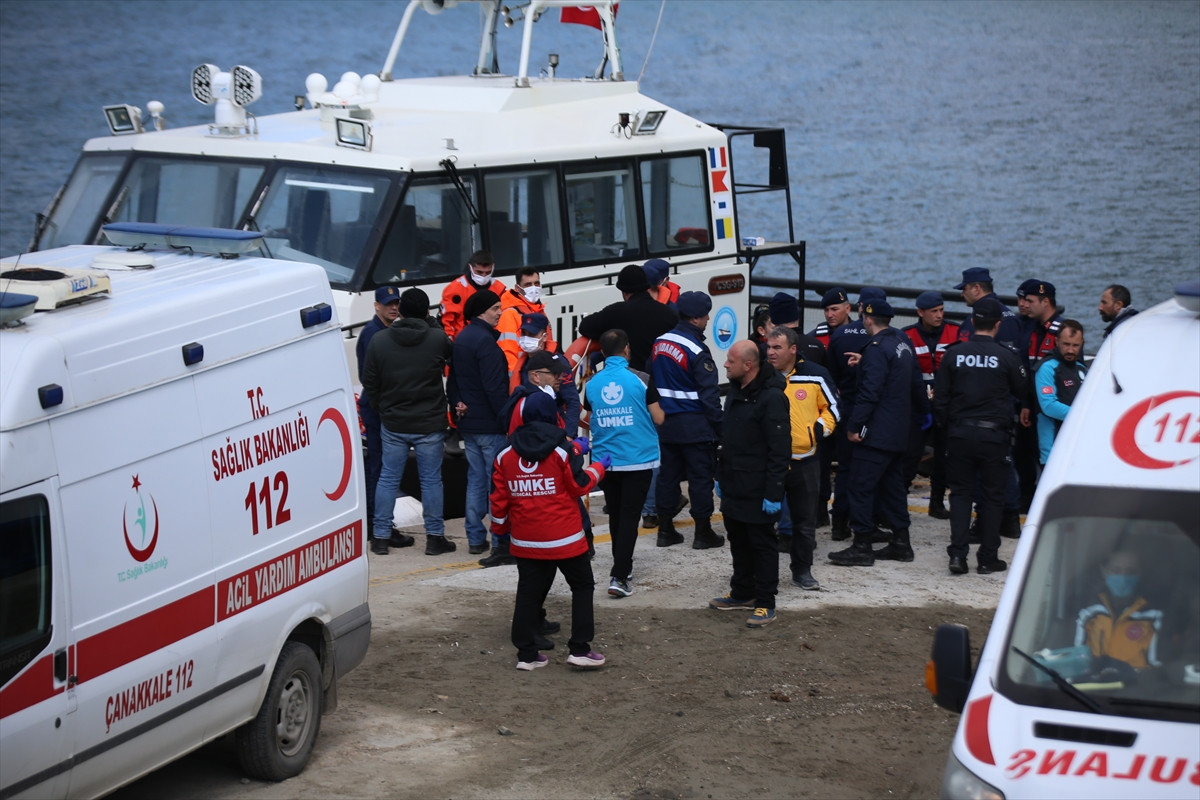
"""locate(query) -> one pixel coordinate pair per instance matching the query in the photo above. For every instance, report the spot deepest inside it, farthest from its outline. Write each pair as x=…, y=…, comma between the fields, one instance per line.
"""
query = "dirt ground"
x=828, y=702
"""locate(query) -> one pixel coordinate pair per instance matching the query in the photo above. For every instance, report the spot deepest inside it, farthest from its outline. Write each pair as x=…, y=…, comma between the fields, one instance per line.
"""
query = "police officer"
x=687, y=383
x=930, y=336
x=845, y=343
x=972, y=399
x=975, y=286
x=889, y=387
x=1039, y=314
x=836, y=306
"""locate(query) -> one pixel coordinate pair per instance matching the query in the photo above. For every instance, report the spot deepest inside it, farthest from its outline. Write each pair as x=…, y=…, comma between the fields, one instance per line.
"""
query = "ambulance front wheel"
x=278, y=742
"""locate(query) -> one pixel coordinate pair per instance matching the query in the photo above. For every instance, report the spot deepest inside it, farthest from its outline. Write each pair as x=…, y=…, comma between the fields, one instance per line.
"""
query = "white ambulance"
x=1089, y=683
x=181, y=518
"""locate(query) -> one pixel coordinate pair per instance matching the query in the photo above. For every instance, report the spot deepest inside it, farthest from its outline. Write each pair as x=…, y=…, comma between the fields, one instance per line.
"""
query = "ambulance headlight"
x=960, y=782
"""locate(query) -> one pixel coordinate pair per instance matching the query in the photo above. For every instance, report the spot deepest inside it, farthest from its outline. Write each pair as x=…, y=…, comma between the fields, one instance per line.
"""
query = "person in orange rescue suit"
x=658, y=275
x=930, y=337
x=1121, y=625
x=537, y=481
x=524, y=298
x=475, y=278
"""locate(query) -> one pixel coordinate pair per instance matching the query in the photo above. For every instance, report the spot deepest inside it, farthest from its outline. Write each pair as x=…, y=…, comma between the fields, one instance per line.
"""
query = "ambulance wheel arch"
x=278, y=742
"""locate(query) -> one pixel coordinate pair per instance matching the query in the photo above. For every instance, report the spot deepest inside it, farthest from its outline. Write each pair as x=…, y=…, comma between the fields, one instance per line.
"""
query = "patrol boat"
x=382, y=180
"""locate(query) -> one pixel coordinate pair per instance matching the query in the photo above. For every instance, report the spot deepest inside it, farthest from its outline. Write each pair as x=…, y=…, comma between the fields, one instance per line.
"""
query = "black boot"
x=437, y=545
x=841, y=529
x=667, y=535
x=706, y=537
x=1010, y=524
x=937, y=504
x=500, y=556
x=898, y=549
x=858, y=554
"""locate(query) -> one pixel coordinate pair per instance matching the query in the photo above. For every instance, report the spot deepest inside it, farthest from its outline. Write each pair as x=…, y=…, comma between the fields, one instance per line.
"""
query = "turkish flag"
x=584, y=15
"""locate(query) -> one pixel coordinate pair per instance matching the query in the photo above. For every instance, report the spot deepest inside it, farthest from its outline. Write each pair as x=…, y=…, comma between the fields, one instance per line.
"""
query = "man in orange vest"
x=475, y=278
x=524, y=298
x=930, y=337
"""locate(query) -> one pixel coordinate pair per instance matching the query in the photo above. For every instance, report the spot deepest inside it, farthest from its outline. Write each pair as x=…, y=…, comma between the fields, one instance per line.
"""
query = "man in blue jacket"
x=1058, y=379
x=686, y=378
x=889, y=383
x=478, y=390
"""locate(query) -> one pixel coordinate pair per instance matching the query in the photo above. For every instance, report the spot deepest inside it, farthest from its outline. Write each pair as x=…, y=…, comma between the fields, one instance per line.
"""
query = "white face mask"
x=548, y=390
x=480, y=280
x=528, y=343
x=532, y=293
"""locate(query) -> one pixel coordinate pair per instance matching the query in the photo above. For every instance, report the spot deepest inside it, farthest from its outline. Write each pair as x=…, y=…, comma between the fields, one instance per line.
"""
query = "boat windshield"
x=1110, y=605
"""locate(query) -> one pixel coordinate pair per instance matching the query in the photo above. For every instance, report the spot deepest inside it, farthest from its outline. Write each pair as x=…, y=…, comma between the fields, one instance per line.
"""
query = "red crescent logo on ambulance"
x=144, y=554
x=1172, y=433
x=337, y=419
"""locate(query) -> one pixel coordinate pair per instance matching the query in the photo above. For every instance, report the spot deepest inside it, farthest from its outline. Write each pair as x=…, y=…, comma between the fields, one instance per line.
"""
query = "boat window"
x=432, y=235
x=24, y=582
x=523, y=221
x=82, y=202
x=1110, y=604
x=209, y=194
x=322, y=215
x=675, y=196
x=602, y=214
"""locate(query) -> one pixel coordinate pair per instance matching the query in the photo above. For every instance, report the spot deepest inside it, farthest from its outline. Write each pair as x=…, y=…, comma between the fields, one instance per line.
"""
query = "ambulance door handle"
x=60, y=665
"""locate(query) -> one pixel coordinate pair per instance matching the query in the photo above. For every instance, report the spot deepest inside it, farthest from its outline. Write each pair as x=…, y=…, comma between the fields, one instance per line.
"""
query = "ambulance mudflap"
x=1089, y=683
x=181, y=520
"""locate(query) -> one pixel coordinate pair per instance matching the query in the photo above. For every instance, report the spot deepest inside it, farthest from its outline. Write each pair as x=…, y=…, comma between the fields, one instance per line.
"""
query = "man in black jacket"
x=889, y=388
x=402, y=376
x=642, y=317
x=755, y=450
x=972, y=399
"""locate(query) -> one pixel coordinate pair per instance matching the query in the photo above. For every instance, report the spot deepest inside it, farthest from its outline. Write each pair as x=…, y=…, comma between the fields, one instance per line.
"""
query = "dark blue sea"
x=1057, y=140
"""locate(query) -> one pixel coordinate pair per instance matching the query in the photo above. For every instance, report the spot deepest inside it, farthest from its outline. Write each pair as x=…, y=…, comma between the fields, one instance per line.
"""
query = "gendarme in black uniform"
x=972, y=399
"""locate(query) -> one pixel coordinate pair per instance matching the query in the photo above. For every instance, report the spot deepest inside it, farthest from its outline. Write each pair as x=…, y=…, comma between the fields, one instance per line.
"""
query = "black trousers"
x=624, y=494
x=825, y=451
x=802, y=487
x=755, y=553
x=877, y=484
x=695, y=463
x=845, y=450
x=971, y=466
x=535, y=576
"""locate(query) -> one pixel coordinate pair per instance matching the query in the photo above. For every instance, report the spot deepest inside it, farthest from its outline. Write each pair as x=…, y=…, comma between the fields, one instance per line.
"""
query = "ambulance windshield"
x=1110, y=605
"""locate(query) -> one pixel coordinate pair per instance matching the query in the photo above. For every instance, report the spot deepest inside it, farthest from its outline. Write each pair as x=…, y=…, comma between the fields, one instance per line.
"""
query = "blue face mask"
x=1121, y=585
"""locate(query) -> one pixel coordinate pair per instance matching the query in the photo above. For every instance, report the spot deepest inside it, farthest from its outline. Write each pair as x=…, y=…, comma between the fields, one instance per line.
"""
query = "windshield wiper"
x=1062, y=683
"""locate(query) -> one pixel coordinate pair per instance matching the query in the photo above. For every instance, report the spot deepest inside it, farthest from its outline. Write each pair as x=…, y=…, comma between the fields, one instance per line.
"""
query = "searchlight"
x=230, y=92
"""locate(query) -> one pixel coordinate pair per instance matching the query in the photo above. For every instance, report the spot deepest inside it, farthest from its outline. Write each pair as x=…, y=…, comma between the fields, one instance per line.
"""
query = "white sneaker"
x=528, y=666
x=589, y=660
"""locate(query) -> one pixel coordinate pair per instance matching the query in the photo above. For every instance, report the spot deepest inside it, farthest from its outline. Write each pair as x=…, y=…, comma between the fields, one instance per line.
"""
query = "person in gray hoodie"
x=402, y=376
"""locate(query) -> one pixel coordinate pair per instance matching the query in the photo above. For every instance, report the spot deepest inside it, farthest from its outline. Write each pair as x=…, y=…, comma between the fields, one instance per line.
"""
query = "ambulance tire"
x=278, y=742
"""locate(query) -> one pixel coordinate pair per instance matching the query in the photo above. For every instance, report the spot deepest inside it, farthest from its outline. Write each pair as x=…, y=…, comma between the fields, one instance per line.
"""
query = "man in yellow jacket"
x=813, y=408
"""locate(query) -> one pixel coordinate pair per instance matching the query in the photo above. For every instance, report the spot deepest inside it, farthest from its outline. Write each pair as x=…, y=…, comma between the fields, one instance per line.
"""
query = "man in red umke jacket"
x=536, y=482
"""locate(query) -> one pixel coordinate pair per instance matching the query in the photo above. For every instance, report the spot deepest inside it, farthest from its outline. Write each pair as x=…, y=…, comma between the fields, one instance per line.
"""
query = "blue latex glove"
x=717, y=488
x=581, y=445
x=605, y=461
x=927, y=422
x=771, y=508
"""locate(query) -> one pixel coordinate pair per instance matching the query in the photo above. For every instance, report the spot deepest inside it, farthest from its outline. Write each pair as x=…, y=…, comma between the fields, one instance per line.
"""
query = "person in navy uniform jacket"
x=930, y=337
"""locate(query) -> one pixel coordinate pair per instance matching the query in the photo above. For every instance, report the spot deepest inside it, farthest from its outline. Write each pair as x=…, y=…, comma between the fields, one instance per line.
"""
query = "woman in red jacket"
x=536, y=482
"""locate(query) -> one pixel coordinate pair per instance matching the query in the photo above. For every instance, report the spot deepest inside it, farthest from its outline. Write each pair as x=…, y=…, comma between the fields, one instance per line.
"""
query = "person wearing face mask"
x=477, y=277
x=1122, y=625
x=524, y=298
x=542, y=370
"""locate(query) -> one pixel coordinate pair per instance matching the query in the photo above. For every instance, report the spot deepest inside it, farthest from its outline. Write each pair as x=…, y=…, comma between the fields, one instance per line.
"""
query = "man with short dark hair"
x=1115, y=307
x=889, y=385
x=523, y=299
x=785, y=310
x=477, y=276
x=1035, y=303
x=478, y=389
x=403, y=377
x=1057, y=380
x=972, y=399
x=976, y=285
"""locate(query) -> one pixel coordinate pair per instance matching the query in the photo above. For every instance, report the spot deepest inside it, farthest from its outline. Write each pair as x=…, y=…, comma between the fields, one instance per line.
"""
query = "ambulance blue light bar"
x=218, y=241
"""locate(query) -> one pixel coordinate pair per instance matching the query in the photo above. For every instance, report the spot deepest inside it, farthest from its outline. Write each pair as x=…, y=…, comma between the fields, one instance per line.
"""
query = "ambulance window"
x=675, y=198
x=1110, y=604
x=602, y=213
x=24, y=582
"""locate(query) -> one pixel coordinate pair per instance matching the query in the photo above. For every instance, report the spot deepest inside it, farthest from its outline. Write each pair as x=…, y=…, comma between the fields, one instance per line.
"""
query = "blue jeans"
x=481, y=453
x=429, y=468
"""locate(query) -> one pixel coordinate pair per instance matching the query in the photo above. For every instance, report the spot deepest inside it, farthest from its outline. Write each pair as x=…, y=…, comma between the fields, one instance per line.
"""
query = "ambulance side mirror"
x=948, y=672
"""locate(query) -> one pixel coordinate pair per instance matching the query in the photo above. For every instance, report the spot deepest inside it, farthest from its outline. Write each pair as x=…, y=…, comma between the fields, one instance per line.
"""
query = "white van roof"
x=1136, y=421
x=133, y=335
